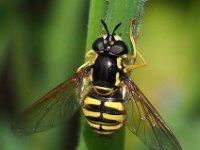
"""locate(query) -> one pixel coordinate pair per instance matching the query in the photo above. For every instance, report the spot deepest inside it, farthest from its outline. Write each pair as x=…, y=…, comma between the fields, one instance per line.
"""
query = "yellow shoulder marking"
x=91, y=74
x=119, y=61
x=117, y=81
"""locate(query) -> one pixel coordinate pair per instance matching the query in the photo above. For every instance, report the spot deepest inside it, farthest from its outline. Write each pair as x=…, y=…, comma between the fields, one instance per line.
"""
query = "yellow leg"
x=134, y=66
x=87, y=63
x=132, y=57
x=89, y=57
x=132, y=39
x=136, y=52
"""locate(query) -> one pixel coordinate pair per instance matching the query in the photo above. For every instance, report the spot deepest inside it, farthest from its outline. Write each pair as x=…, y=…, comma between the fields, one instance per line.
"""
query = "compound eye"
x=98, y=44
x=119, y=48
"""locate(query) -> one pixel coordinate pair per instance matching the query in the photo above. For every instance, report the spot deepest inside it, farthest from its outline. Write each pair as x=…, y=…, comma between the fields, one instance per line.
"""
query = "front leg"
x=130, y=67
x=90, y=58
x=133, y=57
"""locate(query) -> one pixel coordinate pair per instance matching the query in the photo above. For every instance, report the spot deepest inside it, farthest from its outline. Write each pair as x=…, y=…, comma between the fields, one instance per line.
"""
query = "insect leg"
x=89, y=57
x=134, y=66
x=135, y=52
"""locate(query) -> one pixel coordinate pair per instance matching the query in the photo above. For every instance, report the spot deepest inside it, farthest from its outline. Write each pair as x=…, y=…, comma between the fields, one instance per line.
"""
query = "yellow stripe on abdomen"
x=91, y=113
x=103, y=132
x=116, y=105
x=119, y=118
x=113, y=127
x=94, y=125
x=104, y=115
x=89, y=100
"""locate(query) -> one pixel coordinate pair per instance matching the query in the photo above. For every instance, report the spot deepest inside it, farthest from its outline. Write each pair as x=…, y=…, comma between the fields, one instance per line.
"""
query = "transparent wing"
x=145, y=122
x=55, y=107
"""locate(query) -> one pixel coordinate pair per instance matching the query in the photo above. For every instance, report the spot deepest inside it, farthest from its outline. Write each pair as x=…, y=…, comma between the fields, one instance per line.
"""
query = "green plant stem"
x=96, y=13
x=113, y=12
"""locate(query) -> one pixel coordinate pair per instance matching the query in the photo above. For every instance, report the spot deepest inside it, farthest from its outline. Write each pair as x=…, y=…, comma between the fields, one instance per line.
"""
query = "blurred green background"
x=43, y=42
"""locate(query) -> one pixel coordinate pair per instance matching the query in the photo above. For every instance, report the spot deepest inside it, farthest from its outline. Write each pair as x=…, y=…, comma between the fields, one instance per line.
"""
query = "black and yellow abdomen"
x=104, y=113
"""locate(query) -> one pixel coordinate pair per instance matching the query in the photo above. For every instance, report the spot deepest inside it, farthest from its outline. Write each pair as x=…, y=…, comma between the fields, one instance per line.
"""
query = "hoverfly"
x=108, y=96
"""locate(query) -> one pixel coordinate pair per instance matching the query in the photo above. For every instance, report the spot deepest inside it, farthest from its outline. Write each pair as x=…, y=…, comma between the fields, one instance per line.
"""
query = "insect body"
x=103, y=107
x=108, y=96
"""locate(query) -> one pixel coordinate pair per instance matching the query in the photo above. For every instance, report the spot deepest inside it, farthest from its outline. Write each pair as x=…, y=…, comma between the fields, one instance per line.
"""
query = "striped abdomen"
x=105, y=114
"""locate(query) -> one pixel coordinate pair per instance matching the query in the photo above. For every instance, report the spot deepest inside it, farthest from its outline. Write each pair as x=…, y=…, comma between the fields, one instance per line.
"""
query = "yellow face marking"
x=104, y=36
x=117, y=82
x=111, y=43
x=96, y=126
x=119, y=118
x=119, y=61
x=91, y=113
x=89, y=100
x=103, y=132
x=116, y=105
x=112, y=127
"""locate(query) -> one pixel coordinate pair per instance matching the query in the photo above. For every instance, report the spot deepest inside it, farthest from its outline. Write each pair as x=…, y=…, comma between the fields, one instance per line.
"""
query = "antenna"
x=116, y=27
x=105, y=26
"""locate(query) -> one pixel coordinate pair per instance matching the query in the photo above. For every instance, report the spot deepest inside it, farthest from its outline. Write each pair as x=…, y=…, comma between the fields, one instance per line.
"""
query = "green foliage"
x=43, y=42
